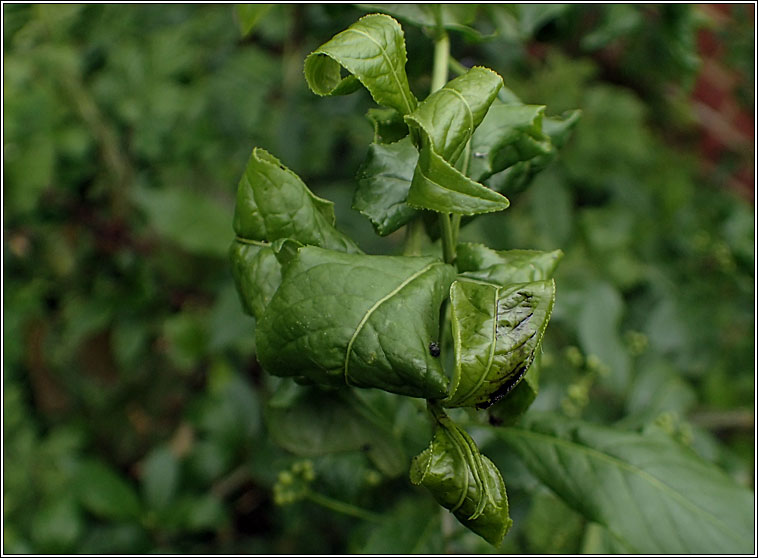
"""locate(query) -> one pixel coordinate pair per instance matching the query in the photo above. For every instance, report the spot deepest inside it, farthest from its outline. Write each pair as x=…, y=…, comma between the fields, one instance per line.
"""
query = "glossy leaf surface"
x=450, y=115
x=363, y=320
x=275, y=206
x=383, y=183
x=509, y=134
x=496, y=331
x=648, y=490
x=502, y=267
x=438, y=186
x=256, y=273
x=463, y=481
x=373, y=51
x=445, y=121
x=273, y=203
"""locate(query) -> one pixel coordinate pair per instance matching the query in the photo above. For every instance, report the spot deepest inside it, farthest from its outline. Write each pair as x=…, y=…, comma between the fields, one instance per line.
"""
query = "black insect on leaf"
x=434, y=349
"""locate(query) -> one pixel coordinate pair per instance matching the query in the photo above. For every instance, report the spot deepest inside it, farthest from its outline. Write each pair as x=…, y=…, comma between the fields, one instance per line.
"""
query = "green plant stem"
x=441, y=60
x=343, y=507
x=448, y=238
x=414, y=237
x=439, y=78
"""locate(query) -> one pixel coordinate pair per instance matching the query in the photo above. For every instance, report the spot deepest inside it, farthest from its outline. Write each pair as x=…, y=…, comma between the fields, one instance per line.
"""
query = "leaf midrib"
x=469, y=112
x=373, y=308
x=389, y=63
x=490, y=358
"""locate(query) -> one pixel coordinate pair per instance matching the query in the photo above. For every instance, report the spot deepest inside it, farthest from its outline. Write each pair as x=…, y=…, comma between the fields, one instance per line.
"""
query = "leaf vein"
x=373, y=308
x=389, y=63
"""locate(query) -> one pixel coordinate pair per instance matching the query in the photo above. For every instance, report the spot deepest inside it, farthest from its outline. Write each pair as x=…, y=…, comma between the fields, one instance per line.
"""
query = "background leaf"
x=309, y=421
x=190, y=220
x=411, y=527
x=103, y=492
x=641, y=487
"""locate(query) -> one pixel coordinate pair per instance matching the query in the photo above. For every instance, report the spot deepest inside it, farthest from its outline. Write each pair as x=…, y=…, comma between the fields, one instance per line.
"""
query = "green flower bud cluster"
x=293, y=484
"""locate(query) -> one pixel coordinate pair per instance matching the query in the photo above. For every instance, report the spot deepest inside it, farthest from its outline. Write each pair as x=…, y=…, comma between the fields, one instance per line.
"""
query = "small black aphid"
x=434, y=349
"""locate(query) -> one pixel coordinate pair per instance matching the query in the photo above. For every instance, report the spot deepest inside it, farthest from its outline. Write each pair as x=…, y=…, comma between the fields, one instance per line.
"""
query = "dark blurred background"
x=132, y=400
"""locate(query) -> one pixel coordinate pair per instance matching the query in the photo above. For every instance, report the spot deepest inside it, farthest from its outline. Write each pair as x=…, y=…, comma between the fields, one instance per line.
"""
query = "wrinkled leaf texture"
x=496, y=331
x=273, y=204
x=363, y=320
x=498, y=323
x=463, y=481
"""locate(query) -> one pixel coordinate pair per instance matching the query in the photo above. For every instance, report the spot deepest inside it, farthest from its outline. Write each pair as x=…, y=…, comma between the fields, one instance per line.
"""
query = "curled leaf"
x=449, y=116
x=273, y=203
x=503, y=267
x=438, y=186
x=445, y=122
x=464, y=481
x=372, y=50
x=362, y=320
x=275, y=206
x=496, y=331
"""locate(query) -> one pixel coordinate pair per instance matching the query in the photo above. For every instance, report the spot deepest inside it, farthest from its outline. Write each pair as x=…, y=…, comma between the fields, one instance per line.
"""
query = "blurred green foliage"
x=133, y=405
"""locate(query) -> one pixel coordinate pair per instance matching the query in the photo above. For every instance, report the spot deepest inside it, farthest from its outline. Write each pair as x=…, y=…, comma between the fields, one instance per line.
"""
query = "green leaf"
x=439, y=186
x=496, y=331
x=449, y=116
x=273, y=203
x=249, y=15
x=256, y=273
x=104, y=493
x=655, y=495
x=373, y=51
x=445, y=121
x=383, y=183
x=508, y=134
x=362, y=320
x=193, y=221
x=463, y=481
x=309, y=421
x=57, y=526
x=519, y=175
x=425, y=14
x=160, y=475
x=504, y=267
x=551, y=527
x=275, y=211
x=453, y=17
x=559, y=128
x=411, y=527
